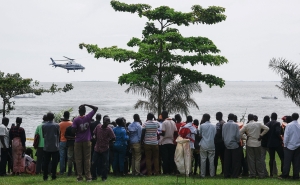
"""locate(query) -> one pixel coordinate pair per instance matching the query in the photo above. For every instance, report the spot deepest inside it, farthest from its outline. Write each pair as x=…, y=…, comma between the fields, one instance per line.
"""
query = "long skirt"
x=18, y=159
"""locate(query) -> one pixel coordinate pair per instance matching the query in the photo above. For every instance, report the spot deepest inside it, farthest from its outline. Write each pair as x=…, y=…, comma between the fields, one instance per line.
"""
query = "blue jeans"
x=62, y=154
x=119, y=157
x=101, y=158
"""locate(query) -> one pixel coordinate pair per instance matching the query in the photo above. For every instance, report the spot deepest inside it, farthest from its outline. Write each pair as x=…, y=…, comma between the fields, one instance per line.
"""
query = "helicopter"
x=70, y=65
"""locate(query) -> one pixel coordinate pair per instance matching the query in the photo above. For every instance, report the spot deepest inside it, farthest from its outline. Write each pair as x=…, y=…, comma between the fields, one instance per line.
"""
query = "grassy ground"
x=161, y=179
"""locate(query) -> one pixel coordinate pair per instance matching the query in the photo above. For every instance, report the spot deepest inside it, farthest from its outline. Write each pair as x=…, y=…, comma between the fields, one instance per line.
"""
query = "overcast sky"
x=32, y=31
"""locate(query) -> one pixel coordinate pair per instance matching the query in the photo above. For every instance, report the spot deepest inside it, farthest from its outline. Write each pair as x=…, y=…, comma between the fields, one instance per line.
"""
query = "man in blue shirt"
x=292, y=148
x=135, y=133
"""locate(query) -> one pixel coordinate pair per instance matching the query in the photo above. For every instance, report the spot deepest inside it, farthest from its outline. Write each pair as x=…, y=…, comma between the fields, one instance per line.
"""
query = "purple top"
x=82, y=125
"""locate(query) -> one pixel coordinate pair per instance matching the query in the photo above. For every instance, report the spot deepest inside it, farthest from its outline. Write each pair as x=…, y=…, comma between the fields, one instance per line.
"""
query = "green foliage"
x=290, y=78
x=13, y=84
x=59, y=115
x=156, y=59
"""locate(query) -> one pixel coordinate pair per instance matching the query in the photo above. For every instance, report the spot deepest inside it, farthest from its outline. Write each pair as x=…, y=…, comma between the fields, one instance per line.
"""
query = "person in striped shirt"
x=150, y=142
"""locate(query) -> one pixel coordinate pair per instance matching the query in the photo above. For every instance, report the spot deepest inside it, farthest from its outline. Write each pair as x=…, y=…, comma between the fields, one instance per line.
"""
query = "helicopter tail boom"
x=52, y=61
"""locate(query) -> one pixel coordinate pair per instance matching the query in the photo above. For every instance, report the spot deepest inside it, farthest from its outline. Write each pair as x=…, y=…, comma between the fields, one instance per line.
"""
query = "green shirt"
x=39, y=131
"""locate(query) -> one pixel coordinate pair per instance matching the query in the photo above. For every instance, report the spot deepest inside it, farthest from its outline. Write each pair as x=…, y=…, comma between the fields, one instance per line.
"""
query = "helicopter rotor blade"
x=68, y=58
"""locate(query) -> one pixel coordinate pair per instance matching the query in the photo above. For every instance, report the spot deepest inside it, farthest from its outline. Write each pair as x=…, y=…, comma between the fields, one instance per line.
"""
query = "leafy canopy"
x=156, y=59
x=290, y=78
x=13, y=84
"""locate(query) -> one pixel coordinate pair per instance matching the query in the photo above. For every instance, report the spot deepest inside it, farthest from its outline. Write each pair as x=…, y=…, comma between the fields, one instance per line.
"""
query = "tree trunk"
x=3, y=109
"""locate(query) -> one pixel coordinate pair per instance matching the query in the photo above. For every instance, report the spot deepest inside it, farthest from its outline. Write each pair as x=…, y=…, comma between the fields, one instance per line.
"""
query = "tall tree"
x=156, y=57
x=176, y=96
x=13, y=84
x=290, y=78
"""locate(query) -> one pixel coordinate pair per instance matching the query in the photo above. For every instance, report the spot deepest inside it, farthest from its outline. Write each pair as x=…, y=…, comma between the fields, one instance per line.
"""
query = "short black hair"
x=178, y=118
x=164, y=114
x=136, y=117
x=120, y=121
x=231, y=116
x=266, y=119
x=288, y=119
x=206, y=117
x=19, y=120
x=98, y=117
x=81, y=109
x=295, y=116
x=150, y=116
x=273, y=116
x=196, y=122
x=189, y=119
x=45, y=117
x=255, y=118
x=250, y=117
x=50, y=116
x=66, y=114
x=219, y=115
x=105, y=117
x=5, y=120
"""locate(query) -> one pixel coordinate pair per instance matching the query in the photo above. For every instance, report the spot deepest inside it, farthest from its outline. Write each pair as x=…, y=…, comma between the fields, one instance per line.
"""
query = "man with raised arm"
x=82, y=145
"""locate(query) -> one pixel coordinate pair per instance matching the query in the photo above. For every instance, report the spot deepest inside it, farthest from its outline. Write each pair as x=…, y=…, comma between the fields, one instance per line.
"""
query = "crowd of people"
x=90, y=148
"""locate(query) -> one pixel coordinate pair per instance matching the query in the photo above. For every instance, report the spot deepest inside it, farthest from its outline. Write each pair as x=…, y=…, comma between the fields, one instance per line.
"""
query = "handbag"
x=36, y=141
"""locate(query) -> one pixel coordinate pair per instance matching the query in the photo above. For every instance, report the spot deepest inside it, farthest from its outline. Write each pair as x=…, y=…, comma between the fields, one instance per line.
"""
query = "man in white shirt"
x=253, y=131
x=291, y=143
x=207, y=145
x=4, y=143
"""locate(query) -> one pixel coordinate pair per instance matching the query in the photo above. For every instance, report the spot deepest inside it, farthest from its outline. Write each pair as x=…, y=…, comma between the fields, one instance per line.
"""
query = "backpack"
x=183, y=132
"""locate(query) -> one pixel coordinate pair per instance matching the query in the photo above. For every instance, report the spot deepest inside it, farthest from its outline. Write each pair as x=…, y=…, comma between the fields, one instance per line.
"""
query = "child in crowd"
x=29, y=162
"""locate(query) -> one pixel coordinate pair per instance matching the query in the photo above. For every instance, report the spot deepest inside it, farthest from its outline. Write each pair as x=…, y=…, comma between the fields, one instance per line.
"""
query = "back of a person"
x=229, y=135
x=40, y=132
x=218, y=137
x=151, y=132
x=274, y=134
x=253, y=130
x=169, y=127
x=208, y=132
x=119, y=133
x=62, y=127
x=294, y=132
x=51, y=138
x=83, y=132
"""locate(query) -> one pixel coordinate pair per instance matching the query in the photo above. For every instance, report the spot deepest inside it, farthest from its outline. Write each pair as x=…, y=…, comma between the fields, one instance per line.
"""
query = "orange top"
x=62, y=127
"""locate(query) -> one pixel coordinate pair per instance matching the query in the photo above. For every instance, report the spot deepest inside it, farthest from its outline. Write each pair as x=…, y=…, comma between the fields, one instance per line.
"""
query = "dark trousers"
x=291, y=156
x=119, y=158
x=167, y=153
x=103, y=159
x=219, y=152
x=3, y=161
x=39, y=159
x=279, y=151
x=232, y=163
x=55, y=158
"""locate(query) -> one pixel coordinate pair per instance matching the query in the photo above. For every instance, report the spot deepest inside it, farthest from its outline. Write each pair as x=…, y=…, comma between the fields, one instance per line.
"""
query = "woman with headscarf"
x=18, y=138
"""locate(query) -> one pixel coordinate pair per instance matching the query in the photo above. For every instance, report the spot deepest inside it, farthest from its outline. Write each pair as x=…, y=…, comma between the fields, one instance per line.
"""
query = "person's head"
x=206, y=117
x=178, y=118
x=266, y=119
x=5, y=121
x=66, y=115
x=231, y=116
x=136, y=118
x=127, y=124
x=165, y=114
x=250, y=117
x=274, y=116
x=255, y=118
x=189, y=119
x=106, y=121
x=18, y=120
x=81, y=110
x=235, y=118
x=196, y=122
x=295, y=116
x=98, y=117
x=45, y=118
x=113, y=123
x=288, y=119
x=150, y=116
x=219, y=116
x=105, y=117
x=120, y=122
x=50, y=116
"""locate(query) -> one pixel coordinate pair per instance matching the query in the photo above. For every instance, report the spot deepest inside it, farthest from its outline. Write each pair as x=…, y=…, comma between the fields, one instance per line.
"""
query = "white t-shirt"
x=4, y=132
x=169, y=127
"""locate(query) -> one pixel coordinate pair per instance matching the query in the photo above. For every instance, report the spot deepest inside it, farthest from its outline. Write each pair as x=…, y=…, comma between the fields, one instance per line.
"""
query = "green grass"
x=153, y=180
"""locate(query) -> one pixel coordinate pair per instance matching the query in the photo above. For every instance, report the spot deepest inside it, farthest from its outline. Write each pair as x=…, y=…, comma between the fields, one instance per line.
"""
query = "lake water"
x=111, y=99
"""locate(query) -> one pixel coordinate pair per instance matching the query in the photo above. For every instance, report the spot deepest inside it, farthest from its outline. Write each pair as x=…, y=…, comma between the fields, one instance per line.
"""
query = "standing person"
x=135, y=134
x=149, y=138
x=40, y=148
x=253, y=131
x=82, y=146
x=232, y=156
x=179, y=122
x=51, y=136
x=169, y=132
x=4, y=143
x=63, y=141
x=92, y=128
x=274, y=142
x=207, y=146
x=219, y=143
x=188, y=131
x=18, y=138
x=70, y=136
x=196, y=153
x=103, y=136
x=120, y=146
x=292, y=148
